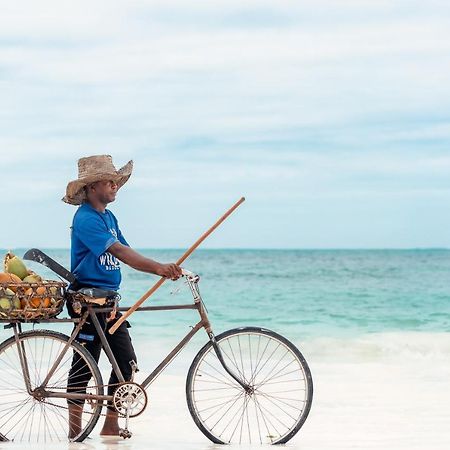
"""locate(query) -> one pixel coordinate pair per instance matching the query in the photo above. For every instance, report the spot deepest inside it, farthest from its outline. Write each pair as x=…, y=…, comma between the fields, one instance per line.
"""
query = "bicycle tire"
x=201, y=382
x=39, y=348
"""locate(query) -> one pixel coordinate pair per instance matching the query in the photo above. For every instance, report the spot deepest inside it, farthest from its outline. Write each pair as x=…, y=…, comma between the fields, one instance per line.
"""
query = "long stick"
x=180, y=261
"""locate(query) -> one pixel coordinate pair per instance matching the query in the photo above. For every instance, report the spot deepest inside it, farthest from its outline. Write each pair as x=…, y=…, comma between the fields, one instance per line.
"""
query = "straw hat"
x=92, y=169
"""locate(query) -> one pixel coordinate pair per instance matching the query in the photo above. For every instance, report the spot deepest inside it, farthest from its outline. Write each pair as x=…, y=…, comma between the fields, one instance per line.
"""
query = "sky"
x=332, y=118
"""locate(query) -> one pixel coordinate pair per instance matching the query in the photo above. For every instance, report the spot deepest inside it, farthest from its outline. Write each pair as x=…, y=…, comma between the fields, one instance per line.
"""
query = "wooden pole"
x=180, y=261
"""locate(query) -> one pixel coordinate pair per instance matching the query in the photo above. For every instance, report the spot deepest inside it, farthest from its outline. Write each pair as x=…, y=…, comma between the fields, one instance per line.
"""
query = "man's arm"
x=132, y=258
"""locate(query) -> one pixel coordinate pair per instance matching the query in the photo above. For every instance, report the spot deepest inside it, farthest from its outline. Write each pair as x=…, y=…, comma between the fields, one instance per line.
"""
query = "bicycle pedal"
x=125, y=433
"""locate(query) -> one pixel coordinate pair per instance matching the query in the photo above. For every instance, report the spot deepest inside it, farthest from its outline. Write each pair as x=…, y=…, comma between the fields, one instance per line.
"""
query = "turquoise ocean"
x=304, y=293
x=326, y=296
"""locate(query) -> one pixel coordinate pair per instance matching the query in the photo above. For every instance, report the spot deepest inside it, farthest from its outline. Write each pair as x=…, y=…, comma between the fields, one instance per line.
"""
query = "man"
x=97, y=247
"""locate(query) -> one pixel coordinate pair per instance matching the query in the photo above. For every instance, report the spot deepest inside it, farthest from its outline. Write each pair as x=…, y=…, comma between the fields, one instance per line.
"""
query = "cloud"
x=301, y=106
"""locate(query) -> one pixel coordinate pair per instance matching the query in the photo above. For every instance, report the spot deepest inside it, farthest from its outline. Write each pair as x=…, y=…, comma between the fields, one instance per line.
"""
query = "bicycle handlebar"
x=188, y=273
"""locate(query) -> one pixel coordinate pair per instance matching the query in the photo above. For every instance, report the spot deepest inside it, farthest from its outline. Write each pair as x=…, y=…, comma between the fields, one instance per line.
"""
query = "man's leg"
x=111, y=424
x=122, y=348
x=75, y=414
x=79, y=377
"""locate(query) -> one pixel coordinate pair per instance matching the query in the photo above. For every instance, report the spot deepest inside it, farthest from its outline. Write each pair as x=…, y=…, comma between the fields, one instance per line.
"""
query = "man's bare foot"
x=111, y=425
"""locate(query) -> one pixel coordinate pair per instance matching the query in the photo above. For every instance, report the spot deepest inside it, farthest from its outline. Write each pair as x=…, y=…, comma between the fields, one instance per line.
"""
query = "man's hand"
x=171, y=271
x=139, y=262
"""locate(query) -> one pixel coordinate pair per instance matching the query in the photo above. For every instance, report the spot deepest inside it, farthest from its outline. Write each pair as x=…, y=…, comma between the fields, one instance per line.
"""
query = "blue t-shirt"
x=92, y=234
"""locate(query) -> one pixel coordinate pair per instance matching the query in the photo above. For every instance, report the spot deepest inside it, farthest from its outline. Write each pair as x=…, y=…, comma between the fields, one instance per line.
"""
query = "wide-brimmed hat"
x=92, y=169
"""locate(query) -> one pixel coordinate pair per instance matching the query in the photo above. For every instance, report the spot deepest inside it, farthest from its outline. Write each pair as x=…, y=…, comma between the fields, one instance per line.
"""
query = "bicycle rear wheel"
x=24, y=418
x=281, y=388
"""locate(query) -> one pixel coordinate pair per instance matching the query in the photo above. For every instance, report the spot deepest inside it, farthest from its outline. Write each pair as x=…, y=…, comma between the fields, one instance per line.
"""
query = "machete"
x=37, y=255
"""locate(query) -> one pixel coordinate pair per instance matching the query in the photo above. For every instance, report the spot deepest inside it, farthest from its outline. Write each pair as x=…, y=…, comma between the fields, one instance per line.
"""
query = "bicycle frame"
x=91, y=312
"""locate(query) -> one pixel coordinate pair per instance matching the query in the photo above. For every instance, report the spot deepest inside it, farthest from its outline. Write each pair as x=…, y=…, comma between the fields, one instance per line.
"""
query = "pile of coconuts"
x=17, y=279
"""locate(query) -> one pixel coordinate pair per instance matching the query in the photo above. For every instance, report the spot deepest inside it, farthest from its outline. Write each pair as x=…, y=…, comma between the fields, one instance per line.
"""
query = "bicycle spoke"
x=267, y=360
x=281, y=376
x=233, y=416
x=274, y=401
x=61, y=366
x=265, y=420
x=212, y=389
x=31, y=427
x=257, y=421
x=242, y=361
x=251, y=359
x=258, y=361
x=18, y=407
x=240, y=420
x=11, y=365
x=239, y=396
x=236, y=397
x=217, y=381
x=268, y=413
x=27, y=418
x=49, y=423
x=275, y=366
x=211, y=398
x=219, y=405
x=39, y=380
x=228, y=381
x=17, y=413
x=59, y=416
x=248, y=427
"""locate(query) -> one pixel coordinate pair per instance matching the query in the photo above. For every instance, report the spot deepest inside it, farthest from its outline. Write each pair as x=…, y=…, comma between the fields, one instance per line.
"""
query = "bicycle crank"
x=129, y=399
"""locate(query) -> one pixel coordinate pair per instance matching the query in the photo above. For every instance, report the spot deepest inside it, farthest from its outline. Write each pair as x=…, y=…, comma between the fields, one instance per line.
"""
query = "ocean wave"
x=380, y=347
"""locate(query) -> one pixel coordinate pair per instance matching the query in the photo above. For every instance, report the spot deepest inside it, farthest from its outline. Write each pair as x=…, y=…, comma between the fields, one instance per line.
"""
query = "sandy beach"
x=382, y=391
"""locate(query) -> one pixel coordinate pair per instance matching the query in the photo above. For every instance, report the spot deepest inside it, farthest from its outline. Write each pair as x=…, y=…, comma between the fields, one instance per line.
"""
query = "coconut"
x=16, y=302
x=10, y=278
x=7, y=301
x=34, y=278
x=13, y=264
x=5, y=304
x=36, y=298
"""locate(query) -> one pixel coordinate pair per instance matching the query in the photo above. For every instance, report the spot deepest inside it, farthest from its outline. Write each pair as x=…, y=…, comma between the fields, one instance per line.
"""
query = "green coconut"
x=5, y=304
x=13, y=264
x=9, y=300
x=34, y=278
x=16, y=302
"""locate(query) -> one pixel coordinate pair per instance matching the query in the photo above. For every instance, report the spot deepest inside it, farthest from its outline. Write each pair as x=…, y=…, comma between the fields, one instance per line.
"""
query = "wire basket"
x=31, y=301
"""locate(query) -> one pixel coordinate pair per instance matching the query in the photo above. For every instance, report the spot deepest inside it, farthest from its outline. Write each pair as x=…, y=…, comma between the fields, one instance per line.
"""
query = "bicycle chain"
x=87, y=399
x=66, y=407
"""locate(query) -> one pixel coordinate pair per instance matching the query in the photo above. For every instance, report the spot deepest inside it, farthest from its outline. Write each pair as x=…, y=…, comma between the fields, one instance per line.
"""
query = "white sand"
x=384, y=392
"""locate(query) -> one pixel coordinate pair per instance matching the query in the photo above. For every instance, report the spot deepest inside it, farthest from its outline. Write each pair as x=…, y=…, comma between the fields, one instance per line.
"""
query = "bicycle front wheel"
x=25, y=417
x=277, y=403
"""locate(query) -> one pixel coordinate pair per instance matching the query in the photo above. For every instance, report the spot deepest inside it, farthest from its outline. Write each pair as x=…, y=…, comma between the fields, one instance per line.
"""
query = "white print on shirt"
x=110, y=262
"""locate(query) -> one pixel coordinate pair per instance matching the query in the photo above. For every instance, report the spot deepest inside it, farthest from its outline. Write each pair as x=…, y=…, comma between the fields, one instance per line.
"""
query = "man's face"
x=103, y=191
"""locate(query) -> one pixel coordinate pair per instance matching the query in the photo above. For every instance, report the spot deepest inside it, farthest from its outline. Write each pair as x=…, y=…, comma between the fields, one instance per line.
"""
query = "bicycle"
x=245, y=385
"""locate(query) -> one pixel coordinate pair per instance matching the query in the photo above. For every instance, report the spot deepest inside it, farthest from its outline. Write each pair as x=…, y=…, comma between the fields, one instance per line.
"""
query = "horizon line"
x=256, y=248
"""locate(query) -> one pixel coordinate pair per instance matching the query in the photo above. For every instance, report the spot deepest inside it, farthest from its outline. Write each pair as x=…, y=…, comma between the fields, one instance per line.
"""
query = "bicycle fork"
x=248, y=389
x=17, y=329
x=207, y=325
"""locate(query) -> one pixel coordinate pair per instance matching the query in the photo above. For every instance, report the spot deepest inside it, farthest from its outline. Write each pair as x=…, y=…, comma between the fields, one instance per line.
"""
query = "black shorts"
x=121, y=347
